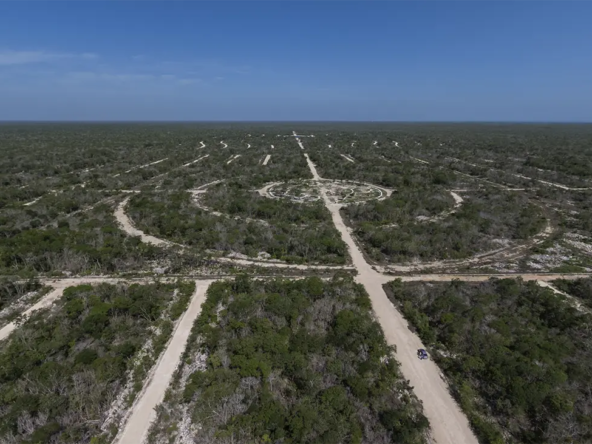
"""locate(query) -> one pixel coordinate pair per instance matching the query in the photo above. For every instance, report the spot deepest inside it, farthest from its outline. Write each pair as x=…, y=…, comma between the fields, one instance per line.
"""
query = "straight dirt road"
x=44, y=302
x=448, y=423
x=142, y=412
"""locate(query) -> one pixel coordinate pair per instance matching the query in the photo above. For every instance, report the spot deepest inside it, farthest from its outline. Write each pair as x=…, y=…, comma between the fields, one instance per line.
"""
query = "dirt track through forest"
x=196, y=160
x=44, y=302
x=127, y=226
x=521, y=176
x=146, y=165
x=420, y=160
x=232, y=159
x=33, y=201
x=267, y=159
x=448, y=424
x=573, y=301
x=347, y=158
x=142, y=413
x=298, y=141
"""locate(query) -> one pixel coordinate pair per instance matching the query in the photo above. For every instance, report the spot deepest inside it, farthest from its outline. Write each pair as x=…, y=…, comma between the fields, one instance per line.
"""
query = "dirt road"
x=575, y=302
x=127, y=226
x=142, y=412
x=58, y=286
x=448, y=424
x=45, y=301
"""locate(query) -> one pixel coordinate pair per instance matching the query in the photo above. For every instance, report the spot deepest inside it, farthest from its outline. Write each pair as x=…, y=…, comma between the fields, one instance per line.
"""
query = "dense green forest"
x=58, y=175
x=64, y=367
x=486, y=220
x=289, y=362
x=517, y=356
x=281, y=229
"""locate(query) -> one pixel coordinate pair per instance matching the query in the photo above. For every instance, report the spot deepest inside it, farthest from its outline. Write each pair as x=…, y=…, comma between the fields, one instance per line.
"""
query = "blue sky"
x=305, y=60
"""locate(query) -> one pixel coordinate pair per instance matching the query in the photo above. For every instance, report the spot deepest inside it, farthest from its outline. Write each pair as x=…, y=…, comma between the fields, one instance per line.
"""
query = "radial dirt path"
x=448, y=424
x=142, y=412
x=45, y=301
x=58, y=285
x=575, y=302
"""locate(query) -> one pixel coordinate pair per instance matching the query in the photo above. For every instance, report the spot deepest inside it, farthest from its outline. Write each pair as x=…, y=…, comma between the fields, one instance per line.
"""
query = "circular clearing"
x=343, y=192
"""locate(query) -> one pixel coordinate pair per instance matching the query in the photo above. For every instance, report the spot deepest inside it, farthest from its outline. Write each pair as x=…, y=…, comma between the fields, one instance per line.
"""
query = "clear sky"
x=304, y=60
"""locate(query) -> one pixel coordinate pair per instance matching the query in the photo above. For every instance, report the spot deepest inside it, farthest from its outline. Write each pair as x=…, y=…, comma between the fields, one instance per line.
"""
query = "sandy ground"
x=232, y=159
x=142, y=412
x=127, y=226
x=298, y=141
x=203, y=145
x=146, y=165
x=225, y=146
x=196, y=160
x=575, y=302
x=272, y=147
x=248, y=145
x=44, y=302
x=397, y=144
x=267, y=159
x=33, y=201
x=457, y=199
x=448, y=424
x=420, y=160
x=346, y=157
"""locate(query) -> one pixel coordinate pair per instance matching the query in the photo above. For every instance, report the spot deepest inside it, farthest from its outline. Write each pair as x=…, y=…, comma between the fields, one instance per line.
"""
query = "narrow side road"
x=45, y=301
x=142, y=412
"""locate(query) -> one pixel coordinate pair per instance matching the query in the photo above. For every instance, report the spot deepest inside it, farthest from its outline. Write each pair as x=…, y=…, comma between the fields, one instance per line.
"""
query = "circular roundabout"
x=343, y=192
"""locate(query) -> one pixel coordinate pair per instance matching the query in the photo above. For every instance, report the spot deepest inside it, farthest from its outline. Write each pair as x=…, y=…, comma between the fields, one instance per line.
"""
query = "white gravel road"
x=44, y=302
x=142, y=412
